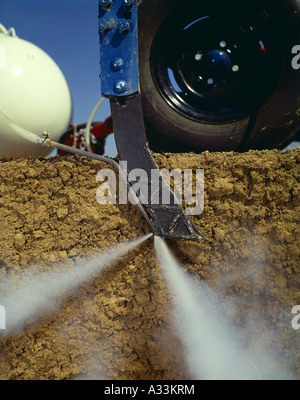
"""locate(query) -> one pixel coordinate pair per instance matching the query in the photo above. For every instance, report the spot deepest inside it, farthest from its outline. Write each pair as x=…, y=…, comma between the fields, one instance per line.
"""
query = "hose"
x=16, y=128
x=89, y=124
x=45, y=140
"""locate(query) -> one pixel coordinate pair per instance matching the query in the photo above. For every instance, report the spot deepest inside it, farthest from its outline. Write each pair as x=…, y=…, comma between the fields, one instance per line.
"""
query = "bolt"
x=104, y=26
x=128, y=3
x=120, y=86
x=117, y=64
x=105, y=4
x=124, y=27
x=198, y=57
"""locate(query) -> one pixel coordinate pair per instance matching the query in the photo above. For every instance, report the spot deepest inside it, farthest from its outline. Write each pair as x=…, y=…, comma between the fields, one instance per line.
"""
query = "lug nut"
x=104, y=26
x=124, y=27
x=128, y=4
x=120, y=87
x=105, y=4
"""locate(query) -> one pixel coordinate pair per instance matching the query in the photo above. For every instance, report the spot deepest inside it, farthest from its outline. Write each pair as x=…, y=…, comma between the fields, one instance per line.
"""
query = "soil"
x=120, y=325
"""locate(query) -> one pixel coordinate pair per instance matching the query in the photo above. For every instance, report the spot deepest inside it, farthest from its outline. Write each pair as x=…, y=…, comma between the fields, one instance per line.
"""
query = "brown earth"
x=120, y=325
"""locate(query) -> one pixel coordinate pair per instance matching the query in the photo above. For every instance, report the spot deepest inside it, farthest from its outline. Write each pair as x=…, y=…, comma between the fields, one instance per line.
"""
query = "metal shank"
x=169, y=220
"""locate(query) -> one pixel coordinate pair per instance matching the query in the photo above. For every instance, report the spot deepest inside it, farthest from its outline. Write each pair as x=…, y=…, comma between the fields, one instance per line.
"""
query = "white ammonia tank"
x=34, y=94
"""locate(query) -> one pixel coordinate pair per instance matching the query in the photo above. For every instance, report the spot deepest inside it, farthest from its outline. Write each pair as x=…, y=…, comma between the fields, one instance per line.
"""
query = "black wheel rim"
x=213, y=66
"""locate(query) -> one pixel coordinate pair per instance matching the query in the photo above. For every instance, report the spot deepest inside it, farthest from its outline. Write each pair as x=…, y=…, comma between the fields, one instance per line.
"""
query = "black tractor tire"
x=270, y=116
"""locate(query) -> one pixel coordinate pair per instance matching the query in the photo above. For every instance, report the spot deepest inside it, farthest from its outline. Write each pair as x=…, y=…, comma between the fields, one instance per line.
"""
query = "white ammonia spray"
x=42, y=292
x=209, y=337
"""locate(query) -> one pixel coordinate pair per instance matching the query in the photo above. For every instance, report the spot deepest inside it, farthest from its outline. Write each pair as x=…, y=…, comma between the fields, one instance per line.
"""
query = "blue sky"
x=68, y=31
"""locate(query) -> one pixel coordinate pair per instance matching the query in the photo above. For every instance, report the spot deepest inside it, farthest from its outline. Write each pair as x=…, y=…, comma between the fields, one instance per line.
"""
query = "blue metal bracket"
x=118, y=30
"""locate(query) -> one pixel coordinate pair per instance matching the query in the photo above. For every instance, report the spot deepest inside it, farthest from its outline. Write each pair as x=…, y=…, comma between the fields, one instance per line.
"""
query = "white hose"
x=34, y=138
x=16, y=128
x=89, y=124
x=45, y=140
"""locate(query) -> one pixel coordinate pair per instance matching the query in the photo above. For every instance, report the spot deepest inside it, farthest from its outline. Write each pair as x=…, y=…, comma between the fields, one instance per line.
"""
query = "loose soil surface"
x=120, y=325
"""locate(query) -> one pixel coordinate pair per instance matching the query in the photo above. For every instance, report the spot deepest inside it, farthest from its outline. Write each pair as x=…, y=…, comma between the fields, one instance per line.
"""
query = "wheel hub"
x=216, y=67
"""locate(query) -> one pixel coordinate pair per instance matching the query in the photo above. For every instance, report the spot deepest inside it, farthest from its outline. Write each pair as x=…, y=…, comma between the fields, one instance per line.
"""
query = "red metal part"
x=75, y=136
